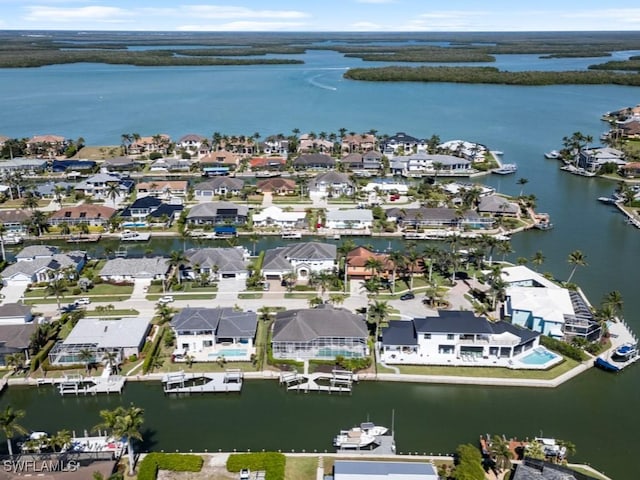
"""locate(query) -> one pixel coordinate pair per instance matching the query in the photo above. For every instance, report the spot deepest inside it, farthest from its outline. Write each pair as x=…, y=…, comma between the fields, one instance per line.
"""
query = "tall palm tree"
x=577, y=259
x=111, y=358
x=501, y=453
x=38, y=222
x=57, y=287
x=3, y=230
x=15, y=360
x=254, y=238
x=378, y=312
x=87, y=357
x=30, y=201
x=614, y=300
x=397, y=261
x=124, y=422
x=374, y=265
x=60, y=439
x=9, y=425
x=177, y=260
x=112, y=192
x=431, y=252
x=522, y=182
x=538, y=259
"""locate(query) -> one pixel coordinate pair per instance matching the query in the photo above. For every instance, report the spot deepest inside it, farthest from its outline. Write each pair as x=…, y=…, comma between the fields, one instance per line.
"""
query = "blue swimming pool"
x=229, y=352
x=539, y=356
x=134, y=224
x=334, y=352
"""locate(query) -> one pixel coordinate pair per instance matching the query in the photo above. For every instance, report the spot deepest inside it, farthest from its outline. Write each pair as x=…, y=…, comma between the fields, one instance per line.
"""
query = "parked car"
x=82, y=301
x=245, y=474
x=407, y=296
x=266, y=286
x=165, y=299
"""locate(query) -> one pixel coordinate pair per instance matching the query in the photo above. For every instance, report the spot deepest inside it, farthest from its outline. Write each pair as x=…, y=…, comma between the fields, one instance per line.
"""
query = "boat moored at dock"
x=552, y=155
x=506, y=169
x=133, y=236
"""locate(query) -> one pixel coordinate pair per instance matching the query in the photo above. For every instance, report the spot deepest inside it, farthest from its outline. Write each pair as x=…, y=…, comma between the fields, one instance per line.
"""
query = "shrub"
x=133, y=358
x=563, y=348
x=272, y=463
x=155, y=156
x=149, y=359
x=41, y=356
x=175, y=462
x=76, y=291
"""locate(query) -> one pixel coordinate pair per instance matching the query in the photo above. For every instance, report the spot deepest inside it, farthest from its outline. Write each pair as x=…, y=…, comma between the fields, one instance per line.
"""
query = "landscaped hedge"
x=271, y=462
x=37, y=359
x=148, y=360
x=563, y=348
x=176, y=462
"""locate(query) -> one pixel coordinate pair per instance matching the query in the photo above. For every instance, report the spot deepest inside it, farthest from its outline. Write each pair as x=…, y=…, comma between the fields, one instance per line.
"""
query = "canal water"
x=596, y=411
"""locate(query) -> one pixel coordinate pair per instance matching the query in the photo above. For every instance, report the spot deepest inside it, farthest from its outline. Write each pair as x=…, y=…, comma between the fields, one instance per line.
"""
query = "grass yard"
x=490, y=372
x=184, y=296
x=249, y=295
x=122, y=312
x=69, y=299
x=301, y=295
x=301, y=468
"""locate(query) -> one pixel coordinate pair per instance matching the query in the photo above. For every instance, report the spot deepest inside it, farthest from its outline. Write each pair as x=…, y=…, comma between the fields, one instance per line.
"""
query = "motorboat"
x=506, y=169
x=354, y=438
x=551, y=448
x=552, y=155
x=373, y=429
x=610, y=200
x=12, y=239
x=625, y=351
x=132, y=236
x=294, y=235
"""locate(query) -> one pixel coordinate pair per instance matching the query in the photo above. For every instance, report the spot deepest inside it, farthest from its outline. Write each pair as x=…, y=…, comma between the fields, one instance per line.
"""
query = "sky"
x=320, y=15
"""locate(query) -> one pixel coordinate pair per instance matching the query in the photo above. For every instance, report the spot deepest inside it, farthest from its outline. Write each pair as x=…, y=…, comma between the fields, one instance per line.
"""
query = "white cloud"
x=243, y=26
x=223, y=12
x=40, y=13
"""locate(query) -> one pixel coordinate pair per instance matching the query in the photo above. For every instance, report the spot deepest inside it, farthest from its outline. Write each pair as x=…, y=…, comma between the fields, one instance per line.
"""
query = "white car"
x=165, y=299
x=82, y=301
x=245, y=474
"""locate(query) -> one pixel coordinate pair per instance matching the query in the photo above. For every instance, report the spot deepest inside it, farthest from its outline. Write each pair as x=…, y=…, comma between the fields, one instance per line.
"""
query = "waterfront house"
x=15, y=314
x=48, y=190
x=310, y=144
x=192, y=142
x=351, y=219
x=208, y=334
x=218, y=186
x=220, y=158
x=15, y=339
x=217, y=263
x=356, y=264
x=314, y=161
x=121, y=164
x=498, y=206
x=157, y=143
x=474, y=152
x=14, y=220
x=592, y=159
x=437, y=217
x=39, y=264
x=331, y=184
x=97, y=186
x=84, y=167
x=163, y=188
x=383, y=470
x=358, y=142
x=124, y=337
x=152, y=209
x=214, y=213
x=277, y=186
x=301, y=259
x=272, y=164
x=371, y=160
x=28, y=166
x=631, y=170
x=275, y=145
x=629, y=130
x=86, y=213
x=274, y=216
x=402, y=144
x=424, y=163
x=455, y=338
x=130, y=269
x=46, y=145
x=386, y=187
x=322, y=333
x=163, y=165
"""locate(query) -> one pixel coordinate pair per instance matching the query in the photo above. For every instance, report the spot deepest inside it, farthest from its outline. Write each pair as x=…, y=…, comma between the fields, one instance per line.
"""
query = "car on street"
x=245, y=474
x=407, y=296
x=266, y=286
x=165, y=299
x=82, y=301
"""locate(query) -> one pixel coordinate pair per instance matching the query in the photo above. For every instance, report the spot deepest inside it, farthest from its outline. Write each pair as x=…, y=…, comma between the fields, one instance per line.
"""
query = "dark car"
x=407, y=296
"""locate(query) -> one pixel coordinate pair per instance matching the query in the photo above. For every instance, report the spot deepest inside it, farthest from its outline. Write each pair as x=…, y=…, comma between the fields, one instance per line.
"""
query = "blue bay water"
x=101, y=102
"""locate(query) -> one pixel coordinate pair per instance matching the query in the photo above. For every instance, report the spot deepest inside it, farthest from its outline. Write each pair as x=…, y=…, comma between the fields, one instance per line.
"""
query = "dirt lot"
x=213, y=469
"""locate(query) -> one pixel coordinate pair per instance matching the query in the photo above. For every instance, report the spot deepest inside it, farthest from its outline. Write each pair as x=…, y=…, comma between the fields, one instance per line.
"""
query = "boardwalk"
x=188, y=383
x=337, y=381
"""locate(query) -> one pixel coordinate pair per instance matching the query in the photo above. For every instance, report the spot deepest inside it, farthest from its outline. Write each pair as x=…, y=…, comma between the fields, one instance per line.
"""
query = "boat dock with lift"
x=338, y=381
x=76, y=384
x=180, y=382
x=623, y=351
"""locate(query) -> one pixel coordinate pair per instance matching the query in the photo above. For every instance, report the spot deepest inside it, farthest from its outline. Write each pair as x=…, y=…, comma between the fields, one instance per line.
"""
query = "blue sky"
x=320, y=15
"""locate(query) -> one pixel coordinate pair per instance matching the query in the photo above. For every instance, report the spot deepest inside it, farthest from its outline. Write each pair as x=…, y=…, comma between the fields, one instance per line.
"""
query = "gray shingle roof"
x=14, y=310
x=56, y=262
x=497, y=204
x=135, y=267
x=228, y=260
x=308, y=324
x=218, y=182
x=331, y=177
x=16, y=336
x=380, y=469
x=126, y=332
x=210, y=209
x=279, y=258
x=225, y=322
x=314, y=159
x=453, y=321
x=36, y=251
x=274, y=260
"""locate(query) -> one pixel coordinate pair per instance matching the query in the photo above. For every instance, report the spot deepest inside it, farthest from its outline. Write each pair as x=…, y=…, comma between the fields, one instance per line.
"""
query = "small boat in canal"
x=625, y=352
x=552, y=155
x=506, y=169
x=355, y=438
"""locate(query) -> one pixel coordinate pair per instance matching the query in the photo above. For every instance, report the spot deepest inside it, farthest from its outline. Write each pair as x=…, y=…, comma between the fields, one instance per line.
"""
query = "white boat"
x=373, y=429
x=12, y=239
x=99, y=443
x=131, y=236
x=506, y=169
x=291, y=235
x=552, y=155
x=355, y=438
x=625, y=351
x=610, y=200
x=551, y=447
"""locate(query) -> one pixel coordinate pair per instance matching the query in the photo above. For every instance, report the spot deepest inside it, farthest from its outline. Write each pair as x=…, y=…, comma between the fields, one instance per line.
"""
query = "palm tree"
x=371, y=286
x=112, y=192
x=10, y=426
x=111, y=358
x=38, y=222
x=375, y=265
x=15, y=360
x=165, y=312
x=431, y=252
x=124, y=422
x=501, y=453
x=397, y=261
x=56, y=286
x=254, y=238
x=30, y=201
x=337, y=299
x=322, y=280
x=3, y=230
x=522, y=182
x=87, y=357
x=538, y=259
x=577, y=259
x=58, y=193
x=378, y=312
x=411, y=260
x=177, y=260
x=60, y=439
x=65, y=229
x=614, y=300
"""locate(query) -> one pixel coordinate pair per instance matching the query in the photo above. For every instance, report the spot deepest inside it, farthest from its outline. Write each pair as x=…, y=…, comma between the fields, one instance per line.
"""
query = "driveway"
x=12, y=293
x=228, y=288
x=140, y=286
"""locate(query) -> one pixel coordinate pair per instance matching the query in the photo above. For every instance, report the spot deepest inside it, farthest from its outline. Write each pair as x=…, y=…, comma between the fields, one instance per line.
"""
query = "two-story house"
x=301, y=259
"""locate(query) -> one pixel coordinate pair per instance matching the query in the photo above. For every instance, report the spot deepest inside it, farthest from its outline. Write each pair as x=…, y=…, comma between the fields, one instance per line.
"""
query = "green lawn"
x=122, y=312
x=300, y=468
x=490, y=372
x=250, y=295
x=187, y=287
x=301, y=295
x=184, y=296
x=100, y=289
x=69, y=299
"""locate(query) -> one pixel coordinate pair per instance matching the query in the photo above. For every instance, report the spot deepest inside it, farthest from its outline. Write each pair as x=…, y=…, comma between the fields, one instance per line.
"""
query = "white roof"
x=351, y=215
x=386, y=187
x=520, y=274
x=550, y=304
x=122, y=333
x=277, y=213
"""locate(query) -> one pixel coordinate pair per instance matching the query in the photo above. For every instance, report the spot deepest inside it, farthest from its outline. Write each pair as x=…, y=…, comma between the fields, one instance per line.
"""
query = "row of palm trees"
x=121, y=423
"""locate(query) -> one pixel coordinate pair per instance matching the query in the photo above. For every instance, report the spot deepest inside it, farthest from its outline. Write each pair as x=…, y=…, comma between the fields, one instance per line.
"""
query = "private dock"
x=384, y=445
x=338, y=381
x=179, y=382
x=620, y=334
x=90, y=238
x=75, y=384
